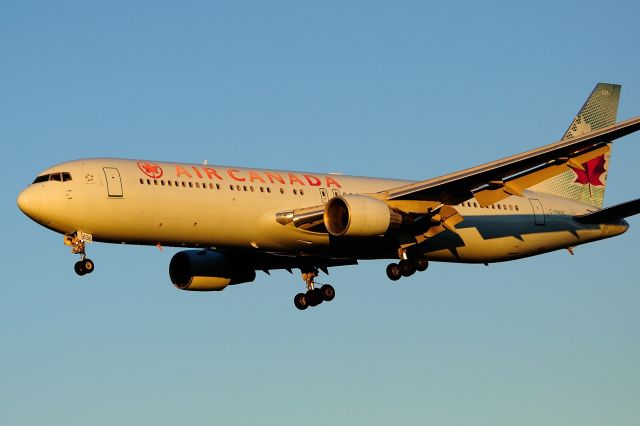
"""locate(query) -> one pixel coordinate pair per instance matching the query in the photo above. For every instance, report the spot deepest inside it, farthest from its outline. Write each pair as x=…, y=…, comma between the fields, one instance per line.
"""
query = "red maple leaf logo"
x=593, y=170
x=150, y=169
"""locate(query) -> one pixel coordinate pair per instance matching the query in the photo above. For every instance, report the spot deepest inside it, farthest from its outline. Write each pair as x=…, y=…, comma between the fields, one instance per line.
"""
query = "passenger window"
x=197, y=184
x=217, y=186
x=295, y=191
x=155, y=181
x=302, y=192
x=269, y=190
x=282, y=190
x=141, y=181
x=162, y=182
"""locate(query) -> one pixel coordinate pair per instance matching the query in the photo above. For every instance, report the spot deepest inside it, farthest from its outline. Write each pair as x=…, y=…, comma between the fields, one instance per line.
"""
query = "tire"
x=300, y=300
x=421, y=264
x=79, y=268
x=393, y=272
x=407, y=268
x=328, y=293
x=88, y=266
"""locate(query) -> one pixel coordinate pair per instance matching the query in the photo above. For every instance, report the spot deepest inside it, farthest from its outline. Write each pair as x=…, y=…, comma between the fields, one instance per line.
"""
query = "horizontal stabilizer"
x=611, y=214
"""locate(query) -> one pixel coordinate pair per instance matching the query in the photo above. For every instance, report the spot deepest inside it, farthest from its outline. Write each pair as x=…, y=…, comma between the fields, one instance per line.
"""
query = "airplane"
x=234, y=221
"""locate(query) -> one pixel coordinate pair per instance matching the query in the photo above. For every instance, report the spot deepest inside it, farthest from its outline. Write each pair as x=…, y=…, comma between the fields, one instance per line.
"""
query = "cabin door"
x=538, y=211
x=114, y=183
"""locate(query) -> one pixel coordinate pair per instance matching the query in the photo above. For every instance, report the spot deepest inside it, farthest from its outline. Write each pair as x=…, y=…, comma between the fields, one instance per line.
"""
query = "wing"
x=611, y=214
x=499, y=179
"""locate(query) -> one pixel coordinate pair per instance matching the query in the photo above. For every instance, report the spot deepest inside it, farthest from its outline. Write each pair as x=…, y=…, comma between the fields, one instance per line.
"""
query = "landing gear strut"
x=314, y=295
x=84, y=265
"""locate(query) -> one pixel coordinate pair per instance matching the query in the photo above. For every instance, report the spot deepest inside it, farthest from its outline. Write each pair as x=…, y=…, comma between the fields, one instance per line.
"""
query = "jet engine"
x=201, y=270
x=359, y=216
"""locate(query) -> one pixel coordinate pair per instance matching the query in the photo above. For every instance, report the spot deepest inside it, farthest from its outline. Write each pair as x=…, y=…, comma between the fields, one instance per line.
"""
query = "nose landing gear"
x=314, y=295
x=77, y=243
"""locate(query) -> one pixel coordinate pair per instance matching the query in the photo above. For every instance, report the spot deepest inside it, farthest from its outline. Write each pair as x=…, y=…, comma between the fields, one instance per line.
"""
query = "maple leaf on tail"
x=593, y=171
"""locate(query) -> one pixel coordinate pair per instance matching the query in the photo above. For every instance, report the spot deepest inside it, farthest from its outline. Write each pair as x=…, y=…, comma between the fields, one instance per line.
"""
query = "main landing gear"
x=406, y=267
x=314, y=295
x=84, y=265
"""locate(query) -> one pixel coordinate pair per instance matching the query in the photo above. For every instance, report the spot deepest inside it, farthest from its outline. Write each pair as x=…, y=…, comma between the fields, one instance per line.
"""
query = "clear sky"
x=393, y=89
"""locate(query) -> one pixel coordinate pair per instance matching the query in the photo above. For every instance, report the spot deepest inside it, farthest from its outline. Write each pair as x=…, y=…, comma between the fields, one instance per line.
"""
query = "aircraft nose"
x=30, y=201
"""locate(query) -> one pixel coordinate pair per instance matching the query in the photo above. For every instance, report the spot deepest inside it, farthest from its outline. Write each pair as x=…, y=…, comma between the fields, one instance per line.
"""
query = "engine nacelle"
x=200, y=270
x=359, y=216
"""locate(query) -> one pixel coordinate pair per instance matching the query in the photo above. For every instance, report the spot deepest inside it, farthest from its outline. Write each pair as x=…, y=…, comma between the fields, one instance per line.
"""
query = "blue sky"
x=394, y=89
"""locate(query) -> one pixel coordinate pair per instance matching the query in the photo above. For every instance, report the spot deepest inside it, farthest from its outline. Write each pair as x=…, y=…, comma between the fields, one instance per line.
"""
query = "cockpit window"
x=60, y=177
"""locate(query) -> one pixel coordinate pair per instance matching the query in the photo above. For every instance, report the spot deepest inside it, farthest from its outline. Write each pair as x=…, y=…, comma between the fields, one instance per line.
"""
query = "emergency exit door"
x=114, y=183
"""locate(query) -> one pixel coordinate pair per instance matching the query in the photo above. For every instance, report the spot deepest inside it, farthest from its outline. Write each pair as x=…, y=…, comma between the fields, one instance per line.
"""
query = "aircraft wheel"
x=88, y=266
x=300, y=300
x=328, y=293
x=407, y=268
x=393, y=272
x=421, y=264
x=79, y=268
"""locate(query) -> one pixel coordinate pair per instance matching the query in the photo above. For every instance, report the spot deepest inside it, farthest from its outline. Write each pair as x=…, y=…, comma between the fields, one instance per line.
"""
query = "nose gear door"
x=114, y=183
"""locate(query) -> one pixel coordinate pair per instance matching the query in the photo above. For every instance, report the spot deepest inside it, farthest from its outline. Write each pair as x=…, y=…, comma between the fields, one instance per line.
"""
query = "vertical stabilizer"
x=587, y=184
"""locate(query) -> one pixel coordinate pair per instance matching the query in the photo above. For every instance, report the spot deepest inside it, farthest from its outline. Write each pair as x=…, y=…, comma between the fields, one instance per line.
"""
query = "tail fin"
x=587, y=184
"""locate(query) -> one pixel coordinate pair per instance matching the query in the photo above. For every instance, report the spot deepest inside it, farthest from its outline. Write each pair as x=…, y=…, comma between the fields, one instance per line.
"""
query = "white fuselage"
x=191, y=205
